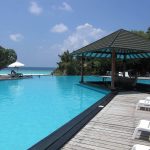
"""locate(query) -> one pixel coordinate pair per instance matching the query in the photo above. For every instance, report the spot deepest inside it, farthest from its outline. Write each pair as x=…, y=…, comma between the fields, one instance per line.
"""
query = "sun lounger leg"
x=135, y=133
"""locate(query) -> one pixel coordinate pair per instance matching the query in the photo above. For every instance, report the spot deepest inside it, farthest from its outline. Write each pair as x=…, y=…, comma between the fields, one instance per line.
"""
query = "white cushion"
x=140, y=147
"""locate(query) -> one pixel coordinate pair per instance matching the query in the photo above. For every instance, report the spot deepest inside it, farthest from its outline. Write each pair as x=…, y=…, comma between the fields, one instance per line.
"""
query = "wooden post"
x=82, y=69
x=113, y=68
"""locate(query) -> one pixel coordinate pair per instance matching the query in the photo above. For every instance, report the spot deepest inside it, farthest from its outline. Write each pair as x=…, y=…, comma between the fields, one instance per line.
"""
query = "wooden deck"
x=112, y=128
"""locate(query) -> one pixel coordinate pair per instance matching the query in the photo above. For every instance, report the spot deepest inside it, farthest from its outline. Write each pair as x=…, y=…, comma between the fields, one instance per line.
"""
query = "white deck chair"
x=143, y=103
x=144, y=125
x=120, y=74
x=148, y=98
x=140, y=147
x=127, y=74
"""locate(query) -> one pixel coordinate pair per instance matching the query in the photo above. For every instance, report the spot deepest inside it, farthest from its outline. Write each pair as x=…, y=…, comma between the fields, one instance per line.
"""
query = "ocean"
x=29, y=70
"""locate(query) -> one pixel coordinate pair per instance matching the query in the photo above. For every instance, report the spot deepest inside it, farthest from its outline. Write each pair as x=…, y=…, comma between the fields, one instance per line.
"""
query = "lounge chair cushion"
x=148, y=98
x=140, y=147
x=143, y=103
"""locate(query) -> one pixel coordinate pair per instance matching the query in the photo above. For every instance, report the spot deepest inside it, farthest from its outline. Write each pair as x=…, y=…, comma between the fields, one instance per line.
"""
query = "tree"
x=67, y=65
x=7, y=56
x=142, y=33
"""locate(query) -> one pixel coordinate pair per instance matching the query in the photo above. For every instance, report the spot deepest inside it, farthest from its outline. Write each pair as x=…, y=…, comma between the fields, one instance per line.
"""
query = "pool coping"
x=58, y=138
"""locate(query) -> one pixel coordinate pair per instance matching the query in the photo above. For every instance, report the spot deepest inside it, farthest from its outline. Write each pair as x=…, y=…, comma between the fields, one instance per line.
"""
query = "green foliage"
x=67, y=65
x=70, y=66
x=96, y=66
x=148, y=33
x=141, y=66
x=7, y=56
x=142, y=33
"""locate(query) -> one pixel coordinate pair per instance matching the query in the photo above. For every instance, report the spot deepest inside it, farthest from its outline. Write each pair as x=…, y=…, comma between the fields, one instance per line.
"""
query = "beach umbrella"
x=16, y=65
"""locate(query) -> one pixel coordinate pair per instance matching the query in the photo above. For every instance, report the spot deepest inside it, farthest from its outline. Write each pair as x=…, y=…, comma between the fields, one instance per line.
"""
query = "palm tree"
x=67, y=65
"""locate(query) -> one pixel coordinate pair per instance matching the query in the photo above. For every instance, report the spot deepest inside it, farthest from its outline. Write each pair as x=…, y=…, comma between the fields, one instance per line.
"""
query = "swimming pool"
x=31, y=109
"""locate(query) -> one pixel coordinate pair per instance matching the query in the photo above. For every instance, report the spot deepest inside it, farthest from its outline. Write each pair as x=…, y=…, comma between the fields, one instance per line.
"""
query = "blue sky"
x=39, y=30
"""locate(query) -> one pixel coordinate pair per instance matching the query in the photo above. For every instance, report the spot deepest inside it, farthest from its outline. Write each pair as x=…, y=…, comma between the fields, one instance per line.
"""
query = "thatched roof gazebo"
x=121, y=44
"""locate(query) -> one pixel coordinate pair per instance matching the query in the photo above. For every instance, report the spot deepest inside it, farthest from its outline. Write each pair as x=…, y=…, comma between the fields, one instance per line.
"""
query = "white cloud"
x=16, y=37
x=59, y=28
x=35, y=8
x=83, y=35
x=64, y=6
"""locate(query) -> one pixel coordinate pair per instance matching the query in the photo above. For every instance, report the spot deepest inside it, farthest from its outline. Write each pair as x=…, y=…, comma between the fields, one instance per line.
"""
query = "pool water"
x=31, y=109
x=144, y=81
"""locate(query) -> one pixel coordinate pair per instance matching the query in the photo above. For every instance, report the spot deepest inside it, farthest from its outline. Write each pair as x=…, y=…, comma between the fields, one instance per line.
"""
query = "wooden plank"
x=113, y=127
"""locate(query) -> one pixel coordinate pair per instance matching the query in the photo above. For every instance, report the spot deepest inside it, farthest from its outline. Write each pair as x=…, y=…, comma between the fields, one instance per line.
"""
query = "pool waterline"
x=44, y=104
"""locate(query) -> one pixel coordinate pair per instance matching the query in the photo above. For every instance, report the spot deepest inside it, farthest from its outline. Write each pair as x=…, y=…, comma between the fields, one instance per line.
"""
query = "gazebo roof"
x=125, y=43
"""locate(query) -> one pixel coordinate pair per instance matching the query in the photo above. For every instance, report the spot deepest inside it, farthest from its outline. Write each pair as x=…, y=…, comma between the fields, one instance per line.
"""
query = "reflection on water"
x=9, y=90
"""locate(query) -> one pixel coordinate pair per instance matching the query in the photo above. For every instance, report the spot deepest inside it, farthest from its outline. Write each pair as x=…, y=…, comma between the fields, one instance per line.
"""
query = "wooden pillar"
x=113, y=69
x=82, y=69
x=124, y=65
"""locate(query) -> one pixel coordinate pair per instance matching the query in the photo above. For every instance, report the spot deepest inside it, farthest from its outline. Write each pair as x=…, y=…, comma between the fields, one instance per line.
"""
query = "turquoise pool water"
x=31, y=109
x=144, y=81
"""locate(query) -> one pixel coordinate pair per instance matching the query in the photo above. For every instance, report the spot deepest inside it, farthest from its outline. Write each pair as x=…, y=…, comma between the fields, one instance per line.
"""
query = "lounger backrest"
x=126, y=74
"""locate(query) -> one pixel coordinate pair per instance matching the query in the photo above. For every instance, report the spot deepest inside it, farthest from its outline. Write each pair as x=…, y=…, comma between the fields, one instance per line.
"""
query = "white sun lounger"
x=120, y=74
x=143, y=103
x=140, y=147
x=148, y=98
x=144, y=125
x=127, y=74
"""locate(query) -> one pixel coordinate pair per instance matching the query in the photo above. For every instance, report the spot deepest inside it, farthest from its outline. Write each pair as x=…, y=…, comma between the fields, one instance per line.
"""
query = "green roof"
x=122, y=41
